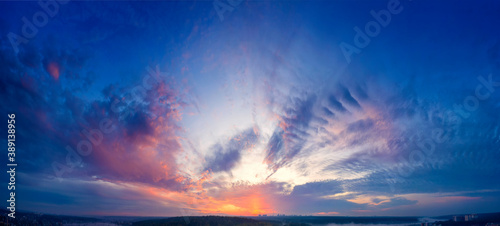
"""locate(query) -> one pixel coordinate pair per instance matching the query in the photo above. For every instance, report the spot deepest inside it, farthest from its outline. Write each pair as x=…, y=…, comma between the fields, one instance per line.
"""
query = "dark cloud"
x=85, y=197
x=52, y=113
x=289, y=137
x=137, y=124
x=368, y=160
x=318, y=188
x=145, y=143
x=327, y=112
x=308, y=205
x=360, y=126
x=361, y=93
x=335, y=104
x=347, y=97
x=310, y=198
x=225, y=156
x=398, y=201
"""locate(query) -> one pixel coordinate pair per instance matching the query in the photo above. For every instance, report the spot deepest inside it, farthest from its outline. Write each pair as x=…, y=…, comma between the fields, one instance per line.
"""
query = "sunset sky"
x=189, y=110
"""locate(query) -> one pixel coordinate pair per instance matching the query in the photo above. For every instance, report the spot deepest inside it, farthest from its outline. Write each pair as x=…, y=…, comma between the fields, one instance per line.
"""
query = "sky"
x=176, y=108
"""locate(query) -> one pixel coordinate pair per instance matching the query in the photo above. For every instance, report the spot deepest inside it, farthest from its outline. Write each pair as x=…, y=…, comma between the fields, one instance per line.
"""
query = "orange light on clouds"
x=251, y=205
x=256, y=203
x=53, y=69
x=249, y=202
x=327, y=213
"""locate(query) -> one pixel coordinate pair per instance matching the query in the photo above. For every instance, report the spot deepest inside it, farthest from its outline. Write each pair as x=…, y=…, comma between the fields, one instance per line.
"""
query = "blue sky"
x=258, y=112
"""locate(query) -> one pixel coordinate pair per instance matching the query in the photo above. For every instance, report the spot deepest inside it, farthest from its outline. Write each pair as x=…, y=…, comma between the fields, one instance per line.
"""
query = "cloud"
x=143, y=146
x=93, y=197
x=336, y=105
x=225, y=156
x=318, y=188
x=327, y=112
x=398, y=201
x=290, y=135
x=312, y=198
x=348, y=98
x=359, y=126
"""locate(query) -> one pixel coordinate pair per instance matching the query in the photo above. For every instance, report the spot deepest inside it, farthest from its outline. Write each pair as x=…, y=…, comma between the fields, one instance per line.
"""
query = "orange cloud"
x=327, y=213
x=54, y=70
x=241, y=200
